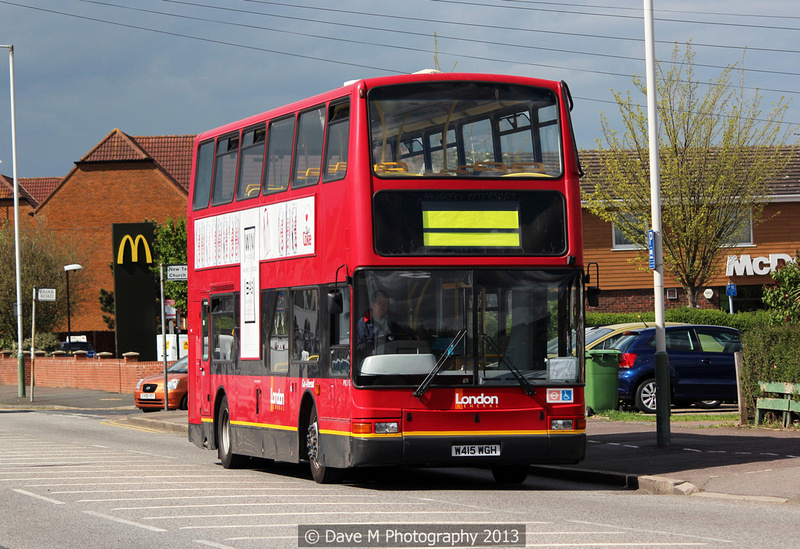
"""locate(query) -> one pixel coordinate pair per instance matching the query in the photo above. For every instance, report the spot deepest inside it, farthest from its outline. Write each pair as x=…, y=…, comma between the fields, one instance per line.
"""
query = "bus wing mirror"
x=335, y=302
x=593, y=296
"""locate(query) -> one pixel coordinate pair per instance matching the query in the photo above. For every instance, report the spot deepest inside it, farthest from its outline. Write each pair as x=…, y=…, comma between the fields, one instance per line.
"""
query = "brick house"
x=32, y=191
x=123, y=179
x=626, y=288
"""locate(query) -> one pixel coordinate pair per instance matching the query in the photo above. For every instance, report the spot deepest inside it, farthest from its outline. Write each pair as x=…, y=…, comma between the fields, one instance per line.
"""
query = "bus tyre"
x=510, y=473
x=224, y=443
x=322, y=474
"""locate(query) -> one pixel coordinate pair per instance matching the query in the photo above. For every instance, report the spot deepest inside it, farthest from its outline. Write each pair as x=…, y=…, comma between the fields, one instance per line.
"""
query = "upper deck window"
x=338, y=142
x=251, y=163
x=465, y=129
x=308, y=155
x=202, y=177
x=225, y=170
x=279, y=156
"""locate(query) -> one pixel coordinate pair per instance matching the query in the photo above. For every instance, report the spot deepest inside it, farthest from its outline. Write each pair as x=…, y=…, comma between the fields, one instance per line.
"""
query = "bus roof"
x=351, y=86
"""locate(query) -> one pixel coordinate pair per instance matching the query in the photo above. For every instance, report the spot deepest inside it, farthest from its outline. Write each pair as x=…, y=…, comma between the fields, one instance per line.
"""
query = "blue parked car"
x=701, y=366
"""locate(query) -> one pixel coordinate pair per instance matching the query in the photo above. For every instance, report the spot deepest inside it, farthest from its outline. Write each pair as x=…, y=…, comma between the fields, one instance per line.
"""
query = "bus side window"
x=225, y=169
x=340, y=336
x=202, y=177
x=308, y=150
x=204, y=328
x=267, y=312
x=279, y=156
x=305, y=335
x=278, y=333
x=224, y=328
x=251, y=163
x=337, y=142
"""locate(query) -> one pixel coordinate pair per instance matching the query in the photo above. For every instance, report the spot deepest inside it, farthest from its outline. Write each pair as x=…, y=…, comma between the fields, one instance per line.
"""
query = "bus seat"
x=464, y=169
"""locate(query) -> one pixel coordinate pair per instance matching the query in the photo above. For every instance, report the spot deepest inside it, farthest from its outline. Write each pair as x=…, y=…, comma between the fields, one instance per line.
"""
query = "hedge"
x=769, y=352
x=687, y=315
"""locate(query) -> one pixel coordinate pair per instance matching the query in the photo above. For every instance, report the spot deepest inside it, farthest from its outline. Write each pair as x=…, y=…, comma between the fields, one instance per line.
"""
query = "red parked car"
x=149, y=393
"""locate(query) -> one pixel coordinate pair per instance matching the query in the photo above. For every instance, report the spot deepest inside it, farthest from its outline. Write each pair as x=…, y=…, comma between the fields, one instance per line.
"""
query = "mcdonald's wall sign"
x=136, y=309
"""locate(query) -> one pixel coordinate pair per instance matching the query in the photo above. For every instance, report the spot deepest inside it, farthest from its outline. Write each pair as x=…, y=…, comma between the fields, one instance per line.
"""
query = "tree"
x=43, y=258
x=170, y=248
x=107, y=306
x=717, y=152
x=783, y=298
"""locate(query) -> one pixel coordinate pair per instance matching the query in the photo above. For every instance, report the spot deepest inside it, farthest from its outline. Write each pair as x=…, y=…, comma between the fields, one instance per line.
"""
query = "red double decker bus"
x=391, y=274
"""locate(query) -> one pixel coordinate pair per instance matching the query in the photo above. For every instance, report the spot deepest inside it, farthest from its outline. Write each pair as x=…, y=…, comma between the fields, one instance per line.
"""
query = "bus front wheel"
x=224, y=444
x=322, y=473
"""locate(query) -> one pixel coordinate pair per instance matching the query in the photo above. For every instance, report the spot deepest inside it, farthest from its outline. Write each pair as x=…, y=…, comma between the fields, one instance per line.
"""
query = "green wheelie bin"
x=602, y=380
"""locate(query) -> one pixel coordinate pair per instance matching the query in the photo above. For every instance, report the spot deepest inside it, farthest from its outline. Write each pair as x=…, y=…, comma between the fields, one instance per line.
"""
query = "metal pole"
x=69, y=325
x=164, y=340
x=18, y=267
x=33, y=337
x=661, y=358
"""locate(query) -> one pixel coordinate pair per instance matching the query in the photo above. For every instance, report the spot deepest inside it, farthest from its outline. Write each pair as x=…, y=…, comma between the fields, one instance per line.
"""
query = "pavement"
x=703, y=459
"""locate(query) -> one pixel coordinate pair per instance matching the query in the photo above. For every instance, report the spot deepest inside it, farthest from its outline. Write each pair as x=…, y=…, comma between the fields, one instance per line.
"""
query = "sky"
x=167, y=67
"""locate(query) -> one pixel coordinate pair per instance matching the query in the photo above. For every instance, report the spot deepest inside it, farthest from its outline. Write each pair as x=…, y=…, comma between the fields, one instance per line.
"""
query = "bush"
x=769, y=353
x=687, y=315
x=44, y=342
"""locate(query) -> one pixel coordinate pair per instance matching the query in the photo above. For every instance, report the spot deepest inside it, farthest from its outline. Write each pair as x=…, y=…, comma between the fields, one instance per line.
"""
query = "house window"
x=743, y=236
x=622, y=242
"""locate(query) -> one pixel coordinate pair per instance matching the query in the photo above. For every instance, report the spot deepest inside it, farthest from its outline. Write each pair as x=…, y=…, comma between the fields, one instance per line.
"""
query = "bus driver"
x=377, y=323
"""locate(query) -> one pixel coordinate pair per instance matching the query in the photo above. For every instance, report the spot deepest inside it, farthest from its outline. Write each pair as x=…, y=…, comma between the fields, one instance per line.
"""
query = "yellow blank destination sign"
x=461, y=227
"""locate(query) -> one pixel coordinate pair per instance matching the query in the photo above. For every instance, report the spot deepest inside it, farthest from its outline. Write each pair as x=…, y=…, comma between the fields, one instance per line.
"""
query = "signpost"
x=44, y=294
x=175, y=273
x=730, y=291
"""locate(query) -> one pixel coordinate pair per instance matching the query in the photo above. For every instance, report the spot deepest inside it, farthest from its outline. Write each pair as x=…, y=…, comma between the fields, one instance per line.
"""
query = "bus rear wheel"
x=224, y=443
x=322, y=473
x=510, y=473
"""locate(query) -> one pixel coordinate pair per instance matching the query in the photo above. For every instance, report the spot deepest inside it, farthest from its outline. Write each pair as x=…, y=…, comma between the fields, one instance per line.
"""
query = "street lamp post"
x=67, y=269
x=18, y=268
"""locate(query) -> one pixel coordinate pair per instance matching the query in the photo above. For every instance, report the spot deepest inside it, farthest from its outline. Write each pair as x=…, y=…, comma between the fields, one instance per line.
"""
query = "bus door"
x=203, y=362
x=337, y=333
x=274, y=395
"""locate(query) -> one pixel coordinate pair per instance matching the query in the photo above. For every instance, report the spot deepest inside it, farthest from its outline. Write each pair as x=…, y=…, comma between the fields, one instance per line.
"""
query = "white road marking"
x=123, y=521
x=31, y=494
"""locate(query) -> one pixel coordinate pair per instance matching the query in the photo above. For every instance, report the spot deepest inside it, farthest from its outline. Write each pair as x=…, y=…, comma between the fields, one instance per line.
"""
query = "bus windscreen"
x=464, y=129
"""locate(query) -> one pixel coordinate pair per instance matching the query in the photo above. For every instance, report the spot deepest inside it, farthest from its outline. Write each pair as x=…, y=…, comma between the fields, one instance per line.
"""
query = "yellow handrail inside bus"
x=394, y=167
x=489, y=167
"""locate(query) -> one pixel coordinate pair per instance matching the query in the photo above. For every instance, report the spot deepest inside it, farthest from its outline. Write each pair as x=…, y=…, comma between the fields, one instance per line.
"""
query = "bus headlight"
x=561, y=425
x=387, y=428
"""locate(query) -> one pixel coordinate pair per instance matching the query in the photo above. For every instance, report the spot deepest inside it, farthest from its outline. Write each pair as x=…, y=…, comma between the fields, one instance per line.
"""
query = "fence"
x=115, y=375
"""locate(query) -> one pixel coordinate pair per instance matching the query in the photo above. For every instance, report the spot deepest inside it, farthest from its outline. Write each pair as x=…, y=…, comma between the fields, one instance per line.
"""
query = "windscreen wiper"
x=423, y=387
x=526, y=385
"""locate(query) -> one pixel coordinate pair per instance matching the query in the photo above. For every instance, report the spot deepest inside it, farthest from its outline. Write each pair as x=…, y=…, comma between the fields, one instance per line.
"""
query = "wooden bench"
x=784, y=403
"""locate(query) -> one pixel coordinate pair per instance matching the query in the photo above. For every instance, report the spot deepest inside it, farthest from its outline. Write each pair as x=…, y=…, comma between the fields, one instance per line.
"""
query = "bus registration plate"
x=461, y=450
